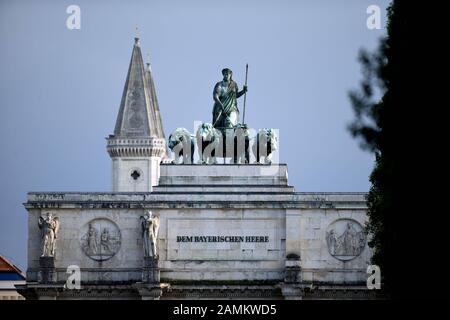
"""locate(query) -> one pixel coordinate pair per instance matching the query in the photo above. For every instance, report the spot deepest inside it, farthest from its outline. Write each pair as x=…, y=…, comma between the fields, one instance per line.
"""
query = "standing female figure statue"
x=226, y=92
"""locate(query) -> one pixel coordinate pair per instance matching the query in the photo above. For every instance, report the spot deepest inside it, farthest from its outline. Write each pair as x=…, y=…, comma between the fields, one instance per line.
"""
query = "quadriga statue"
x=208, y=143
x=266, y=142
x=182, y=144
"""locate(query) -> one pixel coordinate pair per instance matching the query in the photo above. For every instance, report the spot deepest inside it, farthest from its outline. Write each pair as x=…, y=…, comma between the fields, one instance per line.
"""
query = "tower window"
x=135, y=175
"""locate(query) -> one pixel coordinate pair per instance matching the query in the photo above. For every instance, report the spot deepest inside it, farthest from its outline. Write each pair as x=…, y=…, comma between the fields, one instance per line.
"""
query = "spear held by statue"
x=245, y=94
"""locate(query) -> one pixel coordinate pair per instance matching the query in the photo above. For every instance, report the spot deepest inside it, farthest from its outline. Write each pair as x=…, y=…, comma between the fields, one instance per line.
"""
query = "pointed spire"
x=136, y=35
x=154, y=99
x=139, y=111
x=149, y=69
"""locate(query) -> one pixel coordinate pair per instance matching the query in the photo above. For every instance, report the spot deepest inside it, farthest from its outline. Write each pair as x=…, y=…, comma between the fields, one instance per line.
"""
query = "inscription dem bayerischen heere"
x=222, y=239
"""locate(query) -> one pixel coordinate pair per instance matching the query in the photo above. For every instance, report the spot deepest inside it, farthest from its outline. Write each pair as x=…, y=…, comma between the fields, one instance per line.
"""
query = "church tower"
x=138, y=144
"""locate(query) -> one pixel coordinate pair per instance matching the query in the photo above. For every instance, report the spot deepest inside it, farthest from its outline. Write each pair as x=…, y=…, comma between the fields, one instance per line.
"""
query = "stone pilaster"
x=291, y=288
x=150, y=271
x=47, y=272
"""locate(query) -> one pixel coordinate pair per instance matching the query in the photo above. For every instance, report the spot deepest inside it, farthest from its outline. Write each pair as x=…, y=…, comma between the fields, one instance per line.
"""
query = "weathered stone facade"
x=225, y=230
x=276, y=245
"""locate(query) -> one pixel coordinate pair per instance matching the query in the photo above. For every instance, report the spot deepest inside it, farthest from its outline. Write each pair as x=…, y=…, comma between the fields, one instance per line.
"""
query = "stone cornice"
x=136, y=147
x=98, y=200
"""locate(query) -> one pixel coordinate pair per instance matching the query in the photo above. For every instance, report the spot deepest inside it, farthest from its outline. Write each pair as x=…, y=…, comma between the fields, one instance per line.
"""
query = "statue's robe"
x=228, y=96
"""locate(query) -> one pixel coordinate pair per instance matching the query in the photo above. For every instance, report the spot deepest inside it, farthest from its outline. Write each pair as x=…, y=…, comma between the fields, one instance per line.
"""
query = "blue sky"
x=60, y=89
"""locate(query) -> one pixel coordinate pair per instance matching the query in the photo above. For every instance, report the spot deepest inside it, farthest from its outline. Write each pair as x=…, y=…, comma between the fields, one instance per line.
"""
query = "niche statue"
x=150, y=228
x=49, y=226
